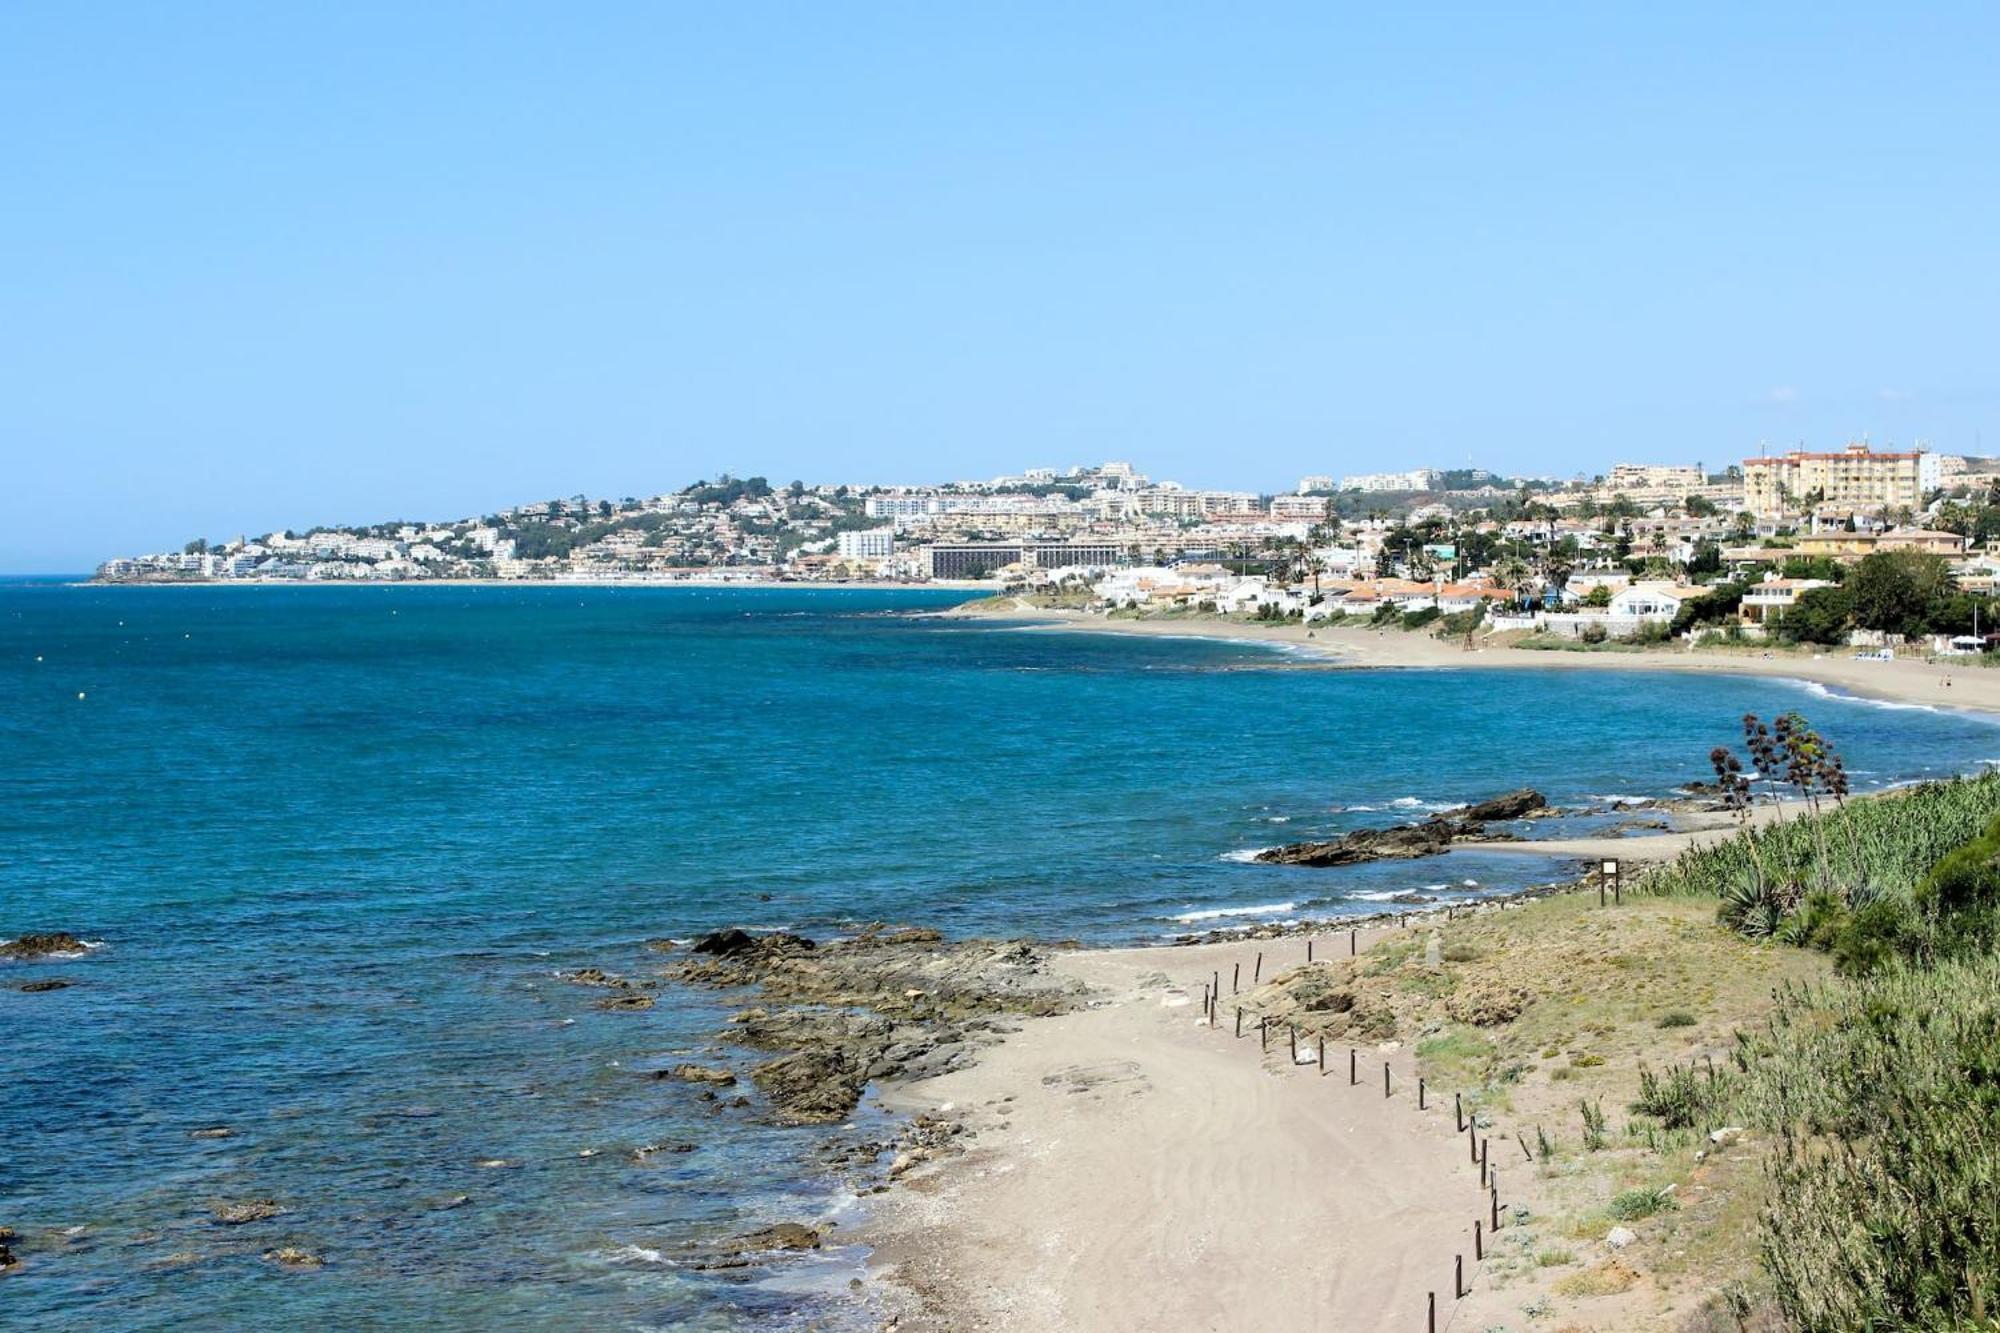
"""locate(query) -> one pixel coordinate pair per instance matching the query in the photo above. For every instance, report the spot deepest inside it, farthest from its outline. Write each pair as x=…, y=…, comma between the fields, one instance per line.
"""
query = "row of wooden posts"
x=1476, y=1144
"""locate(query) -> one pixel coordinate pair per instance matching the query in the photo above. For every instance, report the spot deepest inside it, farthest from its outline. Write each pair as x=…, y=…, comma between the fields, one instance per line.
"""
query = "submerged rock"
x=291, y=1256
x=237, y=1212
x=38, y=987
x=782, y=1236
x=43, y=944
x=721, y=1078
x=625, y=1002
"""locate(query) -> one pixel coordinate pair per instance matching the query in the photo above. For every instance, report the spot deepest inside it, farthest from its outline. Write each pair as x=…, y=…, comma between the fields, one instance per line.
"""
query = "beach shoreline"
x=1136, y=1169
x=1905, y=680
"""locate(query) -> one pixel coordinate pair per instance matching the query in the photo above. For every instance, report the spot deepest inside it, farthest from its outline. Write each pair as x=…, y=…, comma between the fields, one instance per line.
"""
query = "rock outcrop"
x=884, y=1004
x=1428, y=837
x=42, y=944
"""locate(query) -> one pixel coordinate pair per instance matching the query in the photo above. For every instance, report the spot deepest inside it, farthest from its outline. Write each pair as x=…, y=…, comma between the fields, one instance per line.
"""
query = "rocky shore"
x=1427, y=837
x=883, y=1004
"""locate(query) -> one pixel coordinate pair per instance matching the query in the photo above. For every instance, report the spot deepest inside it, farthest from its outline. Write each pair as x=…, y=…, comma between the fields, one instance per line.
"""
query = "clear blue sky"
x=269, y=265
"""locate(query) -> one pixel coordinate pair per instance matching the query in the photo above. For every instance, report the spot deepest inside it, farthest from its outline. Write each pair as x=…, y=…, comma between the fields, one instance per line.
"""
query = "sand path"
x=1154, y=1173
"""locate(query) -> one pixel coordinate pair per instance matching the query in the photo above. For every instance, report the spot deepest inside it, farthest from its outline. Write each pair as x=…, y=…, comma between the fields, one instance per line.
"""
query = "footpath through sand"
x=1137, y=1169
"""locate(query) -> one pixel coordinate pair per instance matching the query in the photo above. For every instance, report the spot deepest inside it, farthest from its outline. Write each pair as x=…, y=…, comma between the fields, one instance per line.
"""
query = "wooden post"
x=1239, y=1020
x=1309, y=949
x=1215, y=982
x=1478, y=1243
x=1458, y=1277
x=1353, y=1077
x=1257, y=972
x=1322, y=1055
x=1236, y=979
x=1482, y=1161
x=1353, y=942
x=1458, y=1110
x=1472, y=1142
x=1524, y=1145
x=1385, y=1078
x=1295, y=1043
x=1434, y=1313
x=1420, y=1094
x=1263, y=1034
x=1494, y=1195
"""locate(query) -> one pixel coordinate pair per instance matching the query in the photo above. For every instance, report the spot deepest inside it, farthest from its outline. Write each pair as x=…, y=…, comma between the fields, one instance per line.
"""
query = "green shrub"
x=1883, y=1094
x=1635, y=1204
x=1677, y=1018
x=1683, y=1098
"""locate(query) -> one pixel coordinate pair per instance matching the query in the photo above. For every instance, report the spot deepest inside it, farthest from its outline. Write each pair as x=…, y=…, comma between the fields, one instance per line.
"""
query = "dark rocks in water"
x=42, y=944
x=1403, y=842
x=651, y=1150
x=624, y=1002
x=291, y=1256
x=783, y=1236
x=1407, y=841
x=884, y=1003
x=237, y=1212
x=813, y=1087
x=734, y=943
x=213, y=1132
x=1508, y=805
x=721, y=1078
x=7, y=1259
x=37, y=987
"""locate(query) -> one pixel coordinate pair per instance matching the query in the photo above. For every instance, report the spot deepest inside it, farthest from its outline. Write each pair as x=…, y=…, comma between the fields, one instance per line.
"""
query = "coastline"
x=1905, y=680
x=1133, y=1168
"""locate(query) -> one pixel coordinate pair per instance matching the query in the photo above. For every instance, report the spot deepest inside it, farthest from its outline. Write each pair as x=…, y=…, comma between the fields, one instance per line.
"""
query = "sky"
x=266, y=266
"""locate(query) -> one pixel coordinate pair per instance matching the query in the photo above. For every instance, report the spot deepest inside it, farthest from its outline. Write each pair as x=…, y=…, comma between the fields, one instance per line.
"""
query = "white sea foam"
x=1377, y=895
x=1277, y=819
x=1614, y=798
x=1216, y=913
x=1243, y=855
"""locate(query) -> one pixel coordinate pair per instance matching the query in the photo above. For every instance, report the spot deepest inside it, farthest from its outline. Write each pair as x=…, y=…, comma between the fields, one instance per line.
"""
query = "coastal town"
x=1641, y=552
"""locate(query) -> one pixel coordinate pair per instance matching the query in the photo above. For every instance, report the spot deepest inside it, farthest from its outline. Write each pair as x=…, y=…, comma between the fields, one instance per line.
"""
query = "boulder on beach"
x=41, y=944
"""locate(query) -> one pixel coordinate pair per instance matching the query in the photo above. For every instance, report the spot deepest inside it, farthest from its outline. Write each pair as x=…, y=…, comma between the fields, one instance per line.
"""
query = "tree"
x=1599, y=597
x=1707, y=559
x=1899, y=592
x=1699, y=506
x=1821, y=615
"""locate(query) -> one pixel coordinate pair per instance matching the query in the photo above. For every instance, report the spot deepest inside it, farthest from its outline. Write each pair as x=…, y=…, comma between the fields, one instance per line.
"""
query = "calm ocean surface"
x=336, y=841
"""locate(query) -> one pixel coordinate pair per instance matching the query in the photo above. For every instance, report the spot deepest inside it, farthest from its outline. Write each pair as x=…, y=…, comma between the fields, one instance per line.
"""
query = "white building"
x=1311, y=508
x=868, y=544
x=1316, y=482
x=1418, y=479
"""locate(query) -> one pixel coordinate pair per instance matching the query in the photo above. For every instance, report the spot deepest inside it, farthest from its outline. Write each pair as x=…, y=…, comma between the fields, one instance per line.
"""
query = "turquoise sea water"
x=334, y=842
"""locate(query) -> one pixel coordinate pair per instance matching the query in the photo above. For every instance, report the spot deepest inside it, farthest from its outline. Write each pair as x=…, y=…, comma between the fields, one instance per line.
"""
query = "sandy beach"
x=1940, y=684
x=1137, y=1169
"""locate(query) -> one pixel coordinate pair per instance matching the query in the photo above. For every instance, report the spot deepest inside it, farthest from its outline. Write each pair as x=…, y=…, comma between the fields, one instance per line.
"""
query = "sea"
x=331, y=845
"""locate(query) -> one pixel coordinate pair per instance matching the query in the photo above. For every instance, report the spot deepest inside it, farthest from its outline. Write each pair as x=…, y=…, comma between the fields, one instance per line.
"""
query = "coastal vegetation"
x=1762, y=1093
